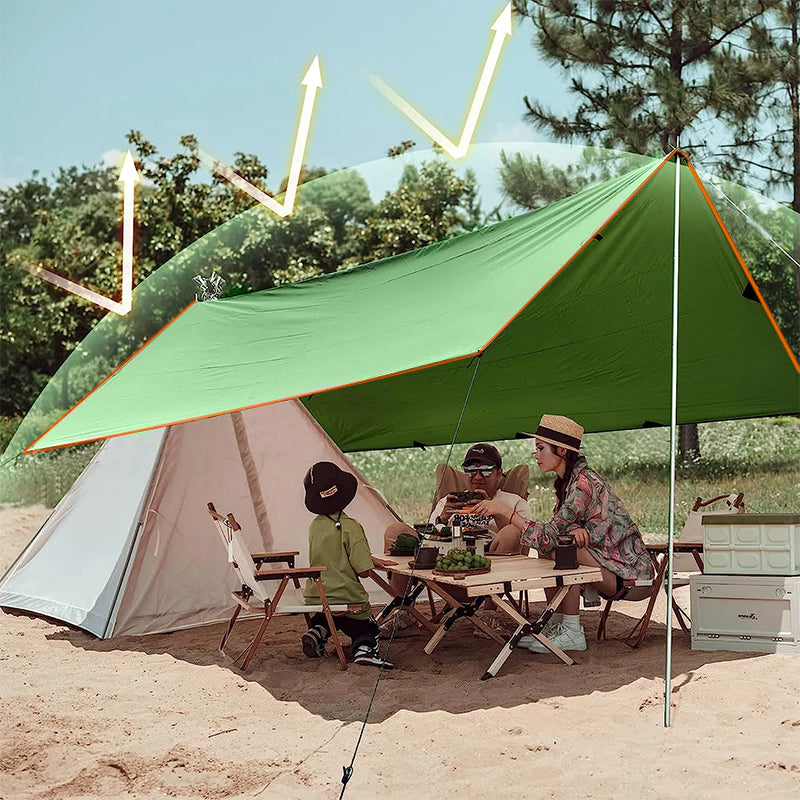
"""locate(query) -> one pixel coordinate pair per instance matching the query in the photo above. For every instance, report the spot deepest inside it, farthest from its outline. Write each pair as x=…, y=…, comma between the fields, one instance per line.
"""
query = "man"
x=483, y=466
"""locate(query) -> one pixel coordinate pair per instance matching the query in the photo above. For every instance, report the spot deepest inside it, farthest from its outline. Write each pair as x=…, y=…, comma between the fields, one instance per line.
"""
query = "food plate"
x=413, y=565
x=462, y=573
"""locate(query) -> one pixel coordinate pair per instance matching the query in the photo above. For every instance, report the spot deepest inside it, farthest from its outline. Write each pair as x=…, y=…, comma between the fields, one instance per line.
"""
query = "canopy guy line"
x=760, y=229
x=347, y=772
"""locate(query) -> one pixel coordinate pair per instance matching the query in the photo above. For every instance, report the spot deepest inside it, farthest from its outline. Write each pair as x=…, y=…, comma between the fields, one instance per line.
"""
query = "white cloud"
x=512, y=132
x=112, y=158
x=7, y=183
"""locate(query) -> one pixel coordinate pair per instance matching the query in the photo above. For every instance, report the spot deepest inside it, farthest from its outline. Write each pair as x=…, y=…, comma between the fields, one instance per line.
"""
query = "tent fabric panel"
x=596, y=345
x=180, y=576
x=73, y=568
x=439, y=303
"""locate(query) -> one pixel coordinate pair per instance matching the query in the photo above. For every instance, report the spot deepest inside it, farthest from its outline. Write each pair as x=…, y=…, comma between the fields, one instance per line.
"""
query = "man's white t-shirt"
x=513, y=501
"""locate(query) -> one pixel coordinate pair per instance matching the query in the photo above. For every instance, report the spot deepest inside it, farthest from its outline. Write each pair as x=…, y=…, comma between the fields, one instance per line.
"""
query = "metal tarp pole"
x=672, y=441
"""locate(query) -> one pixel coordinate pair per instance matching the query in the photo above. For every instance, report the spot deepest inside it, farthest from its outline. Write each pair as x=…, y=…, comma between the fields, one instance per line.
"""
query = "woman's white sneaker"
x=563, y=637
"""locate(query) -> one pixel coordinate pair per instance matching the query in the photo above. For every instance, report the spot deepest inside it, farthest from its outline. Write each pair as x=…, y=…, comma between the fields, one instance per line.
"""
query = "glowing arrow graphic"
x=313, y=82
x=128, y=176
x=501, y=28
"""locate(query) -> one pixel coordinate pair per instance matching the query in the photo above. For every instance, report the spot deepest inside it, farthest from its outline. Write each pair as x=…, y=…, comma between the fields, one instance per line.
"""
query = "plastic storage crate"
x=746, y=613
x=751, y=544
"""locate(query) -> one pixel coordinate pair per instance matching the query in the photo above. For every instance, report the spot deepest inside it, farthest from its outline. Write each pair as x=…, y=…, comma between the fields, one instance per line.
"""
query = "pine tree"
x=765, y=75
x=642, y=71
x=644, y=74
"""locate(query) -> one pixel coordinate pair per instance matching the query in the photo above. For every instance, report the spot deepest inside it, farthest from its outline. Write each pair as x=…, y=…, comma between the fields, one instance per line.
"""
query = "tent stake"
x=672, y=442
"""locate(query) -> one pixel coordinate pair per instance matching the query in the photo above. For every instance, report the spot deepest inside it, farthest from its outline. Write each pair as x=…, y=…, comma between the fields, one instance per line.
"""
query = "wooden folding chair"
x=270, y=590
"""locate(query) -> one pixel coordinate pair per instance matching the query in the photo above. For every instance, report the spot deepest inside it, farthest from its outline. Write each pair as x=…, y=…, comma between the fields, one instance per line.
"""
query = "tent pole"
x=672, y=442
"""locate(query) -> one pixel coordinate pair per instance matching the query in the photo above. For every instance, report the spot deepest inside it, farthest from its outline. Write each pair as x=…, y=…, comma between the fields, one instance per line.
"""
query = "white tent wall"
x=177, y=574
x=74, y=566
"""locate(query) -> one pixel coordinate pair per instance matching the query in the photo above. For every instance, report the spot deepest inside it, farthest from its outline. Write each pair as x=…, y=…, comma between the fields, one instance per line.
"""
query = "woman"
x=587, y=508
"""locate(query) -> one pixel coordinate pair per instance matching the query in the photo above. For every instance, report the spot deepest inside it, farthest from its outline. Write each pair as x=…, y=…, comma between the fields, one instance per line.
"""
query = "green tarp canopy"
x=565, y=310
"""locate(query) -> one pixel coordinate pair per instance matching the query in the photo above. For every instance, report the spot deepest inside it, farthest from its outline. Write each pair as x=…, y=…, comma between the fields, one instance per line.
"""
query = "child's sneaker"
x=313, y=641
x=562, y=637
x=364, y=654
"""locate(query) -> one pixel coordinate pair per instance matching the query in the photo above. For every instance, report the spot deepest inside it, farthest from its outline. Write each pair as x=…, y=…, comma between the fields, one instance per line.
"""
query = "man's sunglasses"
x=485, y=471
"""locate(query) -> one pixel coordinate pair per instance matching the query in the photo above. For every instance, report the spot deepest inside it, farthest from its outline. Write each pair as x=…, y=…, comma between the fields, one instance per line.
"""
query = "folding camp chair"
x=448, y=480
x=687, y=551
x=259, y=594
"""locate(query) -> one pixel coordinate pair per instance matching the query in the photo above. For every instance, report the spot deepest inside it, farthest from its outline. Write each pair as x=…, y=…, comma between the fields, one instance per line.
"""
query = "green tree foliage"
x=533, y=182
x=431, y=203
x=641, y=71
x=71, y=225
x=764, y=75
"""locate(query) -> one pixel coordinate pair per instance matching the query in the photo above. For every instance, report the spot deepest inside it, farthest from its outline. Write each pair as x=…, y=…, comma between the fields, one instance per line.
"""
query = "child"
x=337, y=542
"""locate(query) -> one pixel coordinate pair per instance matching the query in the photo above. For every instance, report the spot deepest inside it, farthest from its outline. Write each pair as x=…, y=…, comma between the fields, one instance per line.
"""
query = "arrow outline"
x=312, y=80
x=128, y=176
x=502, y=29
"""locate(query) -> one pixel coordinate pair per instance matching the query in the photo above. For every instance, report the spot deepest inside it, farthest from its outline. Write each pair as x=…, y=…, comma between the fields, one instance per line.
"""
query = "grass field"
x=758, y=457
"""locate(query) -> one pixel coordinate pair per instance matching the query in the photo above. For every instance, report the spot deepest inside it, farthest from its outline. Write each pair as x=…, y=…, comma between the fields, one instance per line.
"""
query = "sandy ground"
x=167, y=716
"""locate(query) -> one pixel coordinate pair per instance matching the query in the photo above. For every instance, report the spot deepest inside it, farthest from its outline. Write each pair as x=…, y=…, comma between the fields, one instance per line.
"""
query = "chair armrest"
x=286, y=557
x=298, y=572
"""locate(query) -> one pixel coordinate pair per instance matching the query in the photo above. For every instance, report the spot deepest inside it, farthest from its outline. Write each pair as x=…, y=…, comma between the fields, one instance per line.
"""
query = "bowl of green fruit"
x=460, y=562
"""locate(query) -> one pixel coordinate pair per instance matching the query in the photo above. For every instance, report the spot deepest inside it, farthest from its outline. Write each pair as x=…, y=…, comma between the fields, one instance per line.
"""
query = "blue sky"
x=75, y=76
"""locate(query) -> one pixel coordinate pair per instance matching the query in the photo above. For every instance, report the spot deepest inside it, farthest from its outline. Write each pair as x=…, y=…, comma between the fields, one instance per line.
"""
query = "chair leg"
x=230, y=628
x=250, y=650
x=601, y=627
x=329, y=617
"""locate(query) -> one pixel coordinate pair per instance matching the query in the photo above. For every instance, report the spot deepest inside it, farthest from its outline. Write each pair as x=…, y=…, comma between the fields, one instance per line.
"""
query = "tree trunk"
x=688, y=442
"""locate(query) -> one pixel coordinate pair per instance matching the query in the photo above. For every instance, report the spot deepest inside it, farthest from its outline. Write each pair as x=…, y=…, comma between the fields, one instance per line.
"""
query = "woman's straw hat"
x=559, y=431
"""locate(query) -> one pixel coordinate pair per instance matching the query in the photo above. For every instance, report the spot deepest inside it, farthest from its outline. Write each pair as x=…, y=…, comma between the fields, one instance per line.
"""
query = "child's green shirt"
x=345, y=553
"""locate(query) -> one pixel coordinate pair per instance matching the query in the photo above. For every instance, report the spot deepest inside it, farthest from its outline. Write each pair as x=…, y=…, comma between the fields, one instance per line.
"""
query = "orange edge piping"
x=30, y=449
x=742, y=264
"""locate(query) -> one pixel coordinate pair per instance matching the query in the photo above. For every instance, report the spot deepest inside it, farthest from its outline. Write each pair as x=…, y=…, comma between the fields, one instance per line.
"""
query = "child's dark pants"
x=360, y=631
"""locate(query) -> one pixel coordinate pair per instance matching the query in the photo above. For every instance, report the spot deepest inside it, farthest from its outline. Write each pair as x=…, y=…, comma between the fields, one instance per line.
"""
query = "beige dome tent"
x=131, y=550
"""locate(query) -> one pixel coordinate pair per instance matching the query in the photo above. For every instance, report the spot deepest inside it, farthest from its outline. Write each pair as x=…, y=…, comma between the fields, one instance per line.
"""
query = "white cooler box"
x=746, y=613
x=751, y=544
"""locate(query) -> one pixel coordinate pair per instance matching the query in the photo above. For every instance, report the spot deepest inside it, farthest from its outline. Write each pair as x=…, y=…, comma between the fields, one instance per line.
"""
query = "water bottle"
x=455, y=524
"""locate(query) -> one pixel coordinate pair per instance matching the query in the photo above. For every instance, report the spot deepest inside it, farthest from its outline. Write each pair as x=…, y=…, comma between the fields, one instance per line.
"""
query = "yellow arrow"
x=501, y=28
x=312, y=80
x=129, y=177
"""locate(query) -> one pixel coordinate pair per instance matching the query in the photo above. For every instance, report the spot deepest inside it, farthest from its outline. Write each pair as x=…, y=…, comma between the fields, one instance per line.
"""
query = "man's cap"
x=484, y=454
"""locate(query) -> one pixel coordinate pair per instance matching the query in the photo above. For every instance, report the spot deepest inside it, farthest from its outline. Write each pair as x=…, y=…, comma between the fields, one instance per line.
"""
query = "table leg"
x=534, y=628
x=459, y=610
x=398, y=600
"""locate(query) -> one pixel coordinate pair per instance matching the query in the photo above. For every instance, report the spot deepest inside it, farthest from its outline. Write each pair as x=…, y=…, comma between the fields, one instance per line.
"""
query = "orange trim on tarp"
x=579, y=250
x=30, y=449
x=742, y=264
